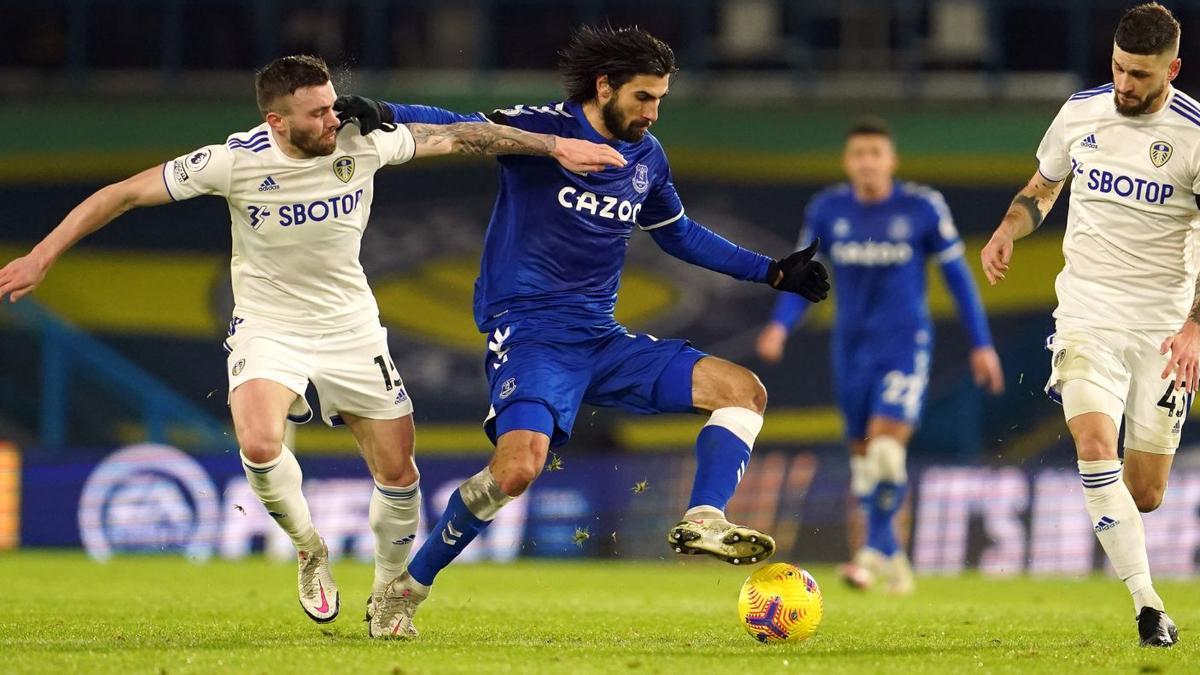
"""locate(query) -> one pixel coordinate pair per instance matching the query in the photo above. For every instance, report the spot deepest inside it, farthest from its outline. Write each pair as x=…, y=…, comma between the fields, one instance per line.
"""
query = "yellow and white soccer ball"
x=780, y=603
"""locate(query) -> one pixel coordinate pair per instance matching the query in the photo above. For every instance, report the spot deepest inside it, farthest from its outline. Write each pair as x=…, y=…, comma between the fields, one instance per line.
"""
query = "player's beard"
x=312, y=144
x=619, y=126
x=1141, y=106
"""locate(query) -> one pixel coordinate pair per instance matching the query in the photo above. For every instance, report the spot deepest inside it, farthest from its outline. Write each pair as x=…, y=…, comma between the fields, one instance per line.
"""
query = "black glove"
x=799, y=273
x=368, y=113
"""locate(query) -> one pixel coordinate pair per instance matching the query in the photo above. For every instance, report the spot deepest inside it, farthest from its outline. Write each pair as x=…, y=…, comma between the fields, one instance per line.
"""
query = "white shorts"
x=1125, y=369
x=351, y=370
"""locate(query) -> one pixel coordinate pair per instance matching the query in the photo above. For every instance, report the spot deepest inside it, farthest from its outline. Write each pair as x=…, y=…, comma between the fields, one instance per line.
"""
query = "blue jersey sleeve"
x=405, y=113
x=662, y=215
x=943, y=242
x=789, y=307
x=545, y=119
x=663, y=205
x=552, y=118
x=693, y=243
x=941, y=236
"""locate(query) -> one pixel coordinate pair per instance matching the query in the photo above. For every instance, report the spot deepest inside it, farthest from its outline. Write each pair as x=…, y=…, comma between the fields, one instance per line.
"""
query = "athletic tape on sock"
x=741, y=422
x=482, y=495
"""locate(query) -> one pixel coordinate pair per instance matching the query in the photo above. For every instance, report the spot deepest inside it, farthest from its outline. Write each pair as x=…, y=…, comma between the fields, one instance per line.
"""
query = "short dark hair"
x=619, y=53
x=1148, y=28
x=869, y=126
x=285, y=75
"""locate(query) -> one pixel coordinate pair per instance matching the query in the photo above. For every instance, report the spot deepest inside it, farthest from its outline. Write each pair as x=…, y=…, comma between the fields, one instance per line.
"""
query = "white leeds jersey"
x=1132, y=215
x=297, y=223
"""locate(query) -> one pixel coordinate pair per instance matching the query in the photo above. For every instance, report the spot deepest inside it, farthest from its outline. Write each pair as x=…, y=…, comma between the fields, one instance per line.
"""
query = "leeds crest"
x=1160, y=152
x=343, y=168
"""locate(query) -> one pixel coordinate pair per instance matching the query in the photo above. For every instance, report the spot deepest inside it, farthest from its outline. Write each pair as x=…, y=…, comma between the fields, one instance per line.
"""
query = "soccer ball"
x=780, y=603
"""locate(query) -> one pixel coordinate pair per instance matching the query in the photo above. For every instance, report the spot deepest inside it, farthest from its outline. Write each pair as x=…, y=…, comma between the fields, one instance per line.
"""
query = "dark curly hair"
x=285, y=75
x=1148, y=29
x=619, y=53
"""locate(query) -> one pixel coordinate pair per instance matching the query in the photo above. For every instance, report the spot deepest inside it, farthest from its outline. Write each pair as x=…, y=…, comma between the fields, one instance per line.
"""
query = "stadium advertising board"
x=1001, y=520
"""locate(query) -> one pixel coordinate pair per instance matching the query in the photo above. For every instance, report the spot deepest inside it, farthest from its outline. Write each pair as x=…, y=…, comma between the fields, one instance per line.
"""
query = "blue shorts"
x=881, y=376
x=534, y=367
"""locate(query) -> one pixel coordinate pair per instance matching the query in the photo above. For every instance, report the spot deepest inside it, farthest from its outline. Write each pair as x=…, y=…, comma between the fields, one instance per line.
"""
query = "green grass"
x=62, y=613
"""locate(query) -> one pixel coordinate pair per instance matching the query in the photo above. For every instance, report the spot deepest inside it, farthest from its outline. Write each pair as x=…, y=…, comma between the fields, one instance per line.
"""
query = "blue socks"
x=454, y=530
x=472, y=506
x=722, y=454
x=881, y=511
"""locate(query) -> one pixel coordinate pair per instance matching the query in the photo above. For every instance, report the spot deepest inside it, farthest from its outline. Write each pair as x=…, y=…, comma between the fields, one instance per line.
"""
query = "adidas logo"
x=1088, y=141
x=1106, y=523
x=268, y=185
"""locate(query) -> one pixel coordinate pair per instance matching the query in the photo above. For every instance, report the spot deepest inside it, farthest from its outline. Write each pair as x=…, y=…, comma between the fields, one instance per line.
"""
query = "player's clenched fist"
x=996, y=256
x=369, y=114
x=800, y=274
x=19, y=277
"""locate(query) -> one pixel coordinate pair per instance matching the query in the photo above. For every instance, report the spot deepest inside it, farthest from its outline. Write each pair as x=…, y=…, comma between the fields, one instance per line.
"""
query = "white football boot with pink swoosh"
x=318, y=591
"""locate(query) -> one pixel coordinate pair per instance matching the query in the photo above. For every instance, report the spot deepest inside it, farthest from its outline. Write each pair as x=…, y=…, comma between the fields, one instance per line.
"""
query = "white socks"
x=277, y=484
x=394, y=514
x=1118, y=526
x=863, y=477
x=888, y=459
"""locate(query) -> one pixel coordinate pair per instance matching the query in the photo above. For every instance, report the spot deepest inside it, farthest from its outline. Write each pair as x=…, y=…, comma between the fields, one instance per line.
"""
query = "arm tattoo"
x=1034, y=200
x=1031, y=207
x=474, y=138
x=1194, y=315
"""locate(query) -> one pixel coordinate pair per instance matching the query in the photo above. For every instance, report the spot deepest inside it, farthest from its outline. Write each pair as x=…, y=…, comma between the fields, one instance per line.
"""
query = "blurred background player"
x=1126, y=344
x=299, y=195
x=545, y=297
x=879, y=233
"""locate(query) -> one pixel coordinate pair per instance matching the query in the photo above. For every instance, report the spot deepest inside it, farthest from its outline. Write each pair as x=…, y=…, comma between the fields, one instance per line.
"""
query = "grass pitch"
x=60, y=612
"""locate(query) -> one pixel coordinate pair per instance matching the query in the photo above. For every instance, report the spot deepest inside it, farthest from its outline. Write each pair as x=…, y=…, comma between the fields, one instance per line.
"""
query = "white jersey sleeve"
x=205, y=171
x=394, y=147
x=1054, y=154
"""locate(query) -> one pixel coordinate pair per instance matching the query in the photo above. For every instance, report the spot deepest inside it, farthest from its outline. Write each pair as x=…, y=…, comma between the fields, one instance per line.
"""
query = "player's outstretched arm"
x=19, y=277
x=985, y=362
x=371, y=115
x=473, y=138
x=1024, y=215
x=442, y=132
x=691, y=242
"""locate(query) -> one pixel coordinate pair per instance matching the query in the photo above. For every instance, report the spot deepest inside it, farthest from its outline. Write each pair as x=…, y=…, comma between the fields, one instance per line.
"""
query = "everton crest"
x=343, y=168
x=641, y=178
x=1160, y=152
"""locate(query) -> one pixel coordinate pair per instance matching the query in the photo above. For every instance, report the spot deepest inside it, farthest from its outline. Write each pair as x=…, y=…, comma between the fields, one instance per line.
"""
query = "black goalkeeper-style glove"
x=369, y=114
x=799, y=273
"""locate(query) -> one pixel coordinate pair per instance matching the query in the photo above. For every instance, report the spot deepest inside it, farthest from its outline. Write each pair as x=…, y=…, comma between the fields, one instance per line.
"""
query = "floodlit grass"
x=64, y=613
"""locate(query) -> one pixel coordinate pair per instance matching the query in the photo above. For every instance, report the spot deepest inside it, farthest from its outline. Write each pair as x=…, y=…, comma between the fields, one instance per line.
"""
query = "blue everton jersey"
x=556, y=241
x=878, y=254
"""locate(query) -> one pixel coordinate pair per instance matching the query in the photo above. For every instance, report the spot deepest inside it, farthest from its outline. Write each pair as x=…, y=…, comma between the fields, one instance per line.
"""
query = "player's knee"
x=747, y=392
x=398, y=474
x=518, y=461
x=758, y=395
x=1093, y=448
x=260, y=447
x=1148, y=497
x=514, y=481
